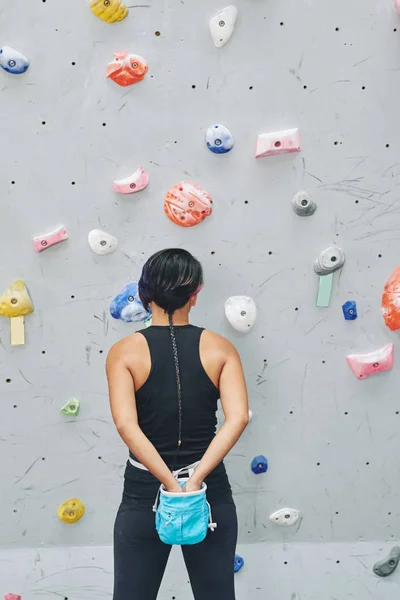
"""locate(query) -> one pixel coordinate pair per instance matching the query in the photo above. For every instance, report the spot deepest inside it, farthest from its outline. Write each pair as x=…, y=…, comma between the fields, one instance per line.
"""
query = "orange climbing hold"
x=391, y=301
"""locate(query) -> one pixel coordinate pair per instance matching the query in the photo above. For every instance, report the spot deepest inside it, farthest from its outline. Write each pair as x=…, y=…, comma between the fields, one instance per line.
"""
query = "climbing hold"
x=398, y=5
x=15, y=303
x=223, y=24
x=238, y=563
x=329, y=261
x=12, y=597
x=350, y=310
x=101, y=242
x=186, y=204
x=126, y=69
x=250, y=415
x=50, y=239
x=219, y=139
x=388, y=565
x=391, y=301
x=259, y=464
x=364, y=365
x=303, y=205
x=136, y=182
x=127, y=305
x=71, y=510
x=285, y=517
x=324, y=290
x=278, y=142
x=241, y=313
x=71, y=409
x=110, y=11
x=13, y=61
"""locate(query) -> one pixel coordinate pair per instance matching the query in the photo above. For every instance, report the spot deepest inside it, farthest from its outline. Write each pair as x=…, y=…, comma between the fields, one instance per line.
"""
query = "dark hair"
x=169, y=278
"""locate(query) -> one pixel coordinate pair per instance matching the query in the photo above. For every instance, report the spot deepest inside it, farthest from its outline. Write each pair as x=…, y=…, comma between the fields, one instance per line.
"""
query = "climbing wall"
x=330, y=69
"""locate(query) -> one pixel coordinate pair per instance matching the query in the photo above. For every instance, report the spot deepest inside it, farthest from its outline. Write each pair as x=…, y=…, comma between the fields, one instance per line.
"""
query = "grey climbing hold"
x=303, y=205
x=330, y=260
x=388, y=565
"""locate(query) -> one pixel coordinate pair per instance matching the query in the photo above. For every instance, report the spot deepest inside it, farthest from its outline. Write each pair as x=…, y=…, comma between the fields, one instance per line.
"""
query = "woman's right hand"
x=173, y=486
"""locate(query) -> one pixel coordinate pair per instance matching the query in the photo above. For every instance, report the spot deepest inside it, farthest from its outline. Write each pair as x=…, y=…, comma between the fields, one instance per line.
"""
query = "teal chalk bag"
x=183, y=518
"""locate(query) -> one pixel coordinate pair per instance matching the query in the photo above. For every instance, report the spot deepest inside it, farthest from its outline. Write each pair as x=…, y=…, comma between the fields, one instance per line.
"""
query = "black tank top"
x=158, y=411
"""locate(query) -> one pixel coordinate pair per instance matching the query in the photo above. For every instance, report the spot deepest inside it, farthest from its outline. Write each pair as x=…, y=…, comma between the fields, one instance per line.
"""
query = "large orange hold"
x=391, y=301
x=186, y=204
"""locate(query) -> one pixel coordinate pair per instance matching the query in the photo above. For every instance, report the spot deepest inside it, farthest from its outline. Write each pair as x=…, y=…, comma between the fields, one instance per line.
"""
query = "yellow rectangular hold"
x=17, y=330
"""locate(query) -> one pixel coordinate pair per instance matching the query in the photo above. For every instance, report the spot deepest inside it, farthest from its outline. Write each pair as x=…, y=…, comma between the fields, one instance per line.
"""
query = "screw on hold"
x=376, y=365
x=259, y=464
x=304, y=202
x=243, y=313
x=44, y=243
x=14, y=301
x=238, y=563
x=132, y=186
x=218, y=142
x=103, y=243
x=388, y=565
x=350, y=310
x=221, y=23
x=130, y=298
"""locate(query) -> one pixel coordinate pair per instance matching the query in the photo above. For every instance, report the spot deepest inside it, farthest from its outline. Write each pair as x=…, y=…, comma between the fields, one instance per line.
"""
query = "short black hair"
x=169, y=278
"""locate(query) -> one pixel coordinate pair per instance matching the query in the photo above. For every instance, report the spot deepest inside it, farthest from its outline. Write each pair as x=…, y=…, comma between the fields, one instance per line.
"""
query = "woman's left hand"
x=193, y=485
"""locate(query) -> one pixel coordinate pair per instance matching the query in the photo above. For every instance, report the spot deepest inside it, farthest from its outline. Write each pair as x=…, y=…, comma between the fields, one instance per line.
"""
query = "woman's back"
x=157, y=398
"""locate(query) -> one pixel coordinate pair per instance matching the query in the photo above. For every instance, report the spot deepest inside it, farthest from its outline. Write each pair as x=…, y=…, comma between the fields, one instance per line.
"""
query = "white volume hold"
x=241, y=313
x=223, y=24
x=101, y=242
x=285, y=517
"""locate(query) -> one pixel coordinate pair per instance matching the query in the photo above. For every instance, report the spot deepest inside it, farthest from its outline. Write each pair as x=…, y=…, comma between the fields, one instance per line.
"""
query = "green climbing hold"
x=71, y=409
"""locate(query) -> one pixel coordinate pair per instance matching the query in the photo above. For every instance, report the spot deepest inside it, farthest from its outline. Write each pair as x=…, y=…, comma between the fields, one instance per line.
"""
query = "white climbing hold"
x=285, y=517
x=250, y=415
x=223, y=24
x=241, y=313
x=101, y=242
x=303, y=205
x=330, y=260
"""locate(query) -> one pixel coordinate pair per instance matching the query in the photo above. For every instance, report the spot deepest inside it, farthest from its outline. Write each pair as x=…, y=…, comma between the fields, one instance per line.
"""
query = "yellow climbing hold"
x=15, y=303
x=71, y=510
x=110, y=11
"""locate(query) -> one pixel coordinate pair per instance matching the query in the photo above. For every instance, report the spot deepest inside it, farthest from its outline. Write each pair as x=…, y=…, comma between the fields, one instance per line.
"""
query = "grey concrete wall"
x=332, y=441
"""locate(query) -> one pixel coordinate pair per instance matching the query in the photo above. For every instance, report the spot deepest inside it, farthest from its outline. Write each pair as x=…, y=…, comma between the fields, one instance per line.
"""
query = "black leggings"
x=140, y=557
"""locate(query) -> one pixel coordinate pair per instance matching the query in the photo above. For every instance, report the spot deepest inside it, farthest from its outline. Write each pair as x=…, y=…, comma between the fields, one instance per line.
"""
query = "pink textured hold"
x=136, y=182
x=364, y=365
x=398, y=5
x=55, y=237
x=278, y=142
x=12, y=597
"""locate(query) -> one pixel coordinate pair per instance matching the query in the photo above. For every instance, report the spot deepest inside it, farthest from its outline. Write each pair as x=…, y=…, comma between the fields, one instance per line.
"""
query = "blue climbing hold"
x=350, y=310
x=219, y=139
x=127, y=305
x=259, y=464
x=238, y=564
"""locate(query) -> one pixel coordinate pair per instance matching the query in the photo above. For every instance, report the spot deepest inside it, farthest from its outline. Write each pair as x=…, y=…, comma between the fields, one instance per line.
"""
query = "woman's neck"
x=159, y=317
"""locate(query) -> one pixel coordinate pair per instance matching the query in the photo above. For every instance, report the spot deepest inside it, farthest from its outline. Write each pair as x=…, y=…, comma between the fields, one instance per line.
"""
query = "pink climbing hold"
x=398, y=5
x=54, y=237
x=12, y=597
x=136, y=182
x=364, y=365
x=278, y=142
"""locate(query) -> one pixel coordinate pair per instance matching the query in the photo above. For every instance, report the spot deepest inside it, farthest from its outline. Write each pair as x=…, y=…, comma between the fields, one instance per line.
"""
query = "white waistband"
x=189, y=468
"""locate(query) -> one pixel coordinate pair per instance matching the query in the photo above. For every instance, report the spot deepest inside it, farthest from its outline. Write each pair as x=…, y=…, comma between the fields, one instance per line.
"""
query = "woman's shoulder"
x=212, y=340
x=128, y=347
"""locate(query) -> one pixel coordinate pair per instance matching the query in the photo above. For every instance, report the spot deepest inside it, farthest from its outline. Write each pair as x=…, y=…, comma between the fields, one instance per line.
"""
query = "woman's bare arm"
x=234, y=403
x=123, y=409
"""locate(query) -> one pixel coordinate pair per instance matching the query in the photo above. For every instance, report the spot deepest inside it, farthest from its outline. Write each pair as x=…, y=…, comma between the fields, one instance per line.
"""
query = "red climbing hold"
x=391, y=301
x=12, y=597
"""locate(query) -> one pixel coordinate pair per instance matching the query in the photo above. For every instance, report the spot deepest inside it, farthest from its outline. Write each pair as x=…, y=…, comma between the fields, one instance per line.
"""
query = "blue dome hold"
x=259, y=464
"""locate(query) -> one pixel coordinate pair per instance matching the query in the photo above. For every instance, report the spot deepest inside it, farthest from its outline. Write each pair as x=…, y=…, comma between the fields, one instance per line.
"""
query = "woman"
x=164, y=384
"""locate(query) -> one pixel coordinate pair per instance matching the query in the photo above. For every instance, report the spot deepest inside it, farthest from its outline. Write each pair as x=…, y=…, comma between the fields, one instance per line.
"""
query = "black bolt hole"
x=335, y=143
x=281, y=23
x=338, y=562
x=43, y=351
x=193, y=87
x=104, y=124
x=387, y=146
x=72, y=182
x=367, y=463
x=8, y=380
x=43, y=122
x=363, y=87
x=246, y=201
x=15, y=406
x=323, y=362
x=13, y=183
x=251, y=87
x=73, y=63
x=296, y=308
x=212, y=251
x=43, y=458
x=157, y=33
x=357, y=201
x=270, y=252
x=337, y=29
x=72, y=297
x=100, y=351
x=379, y=255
